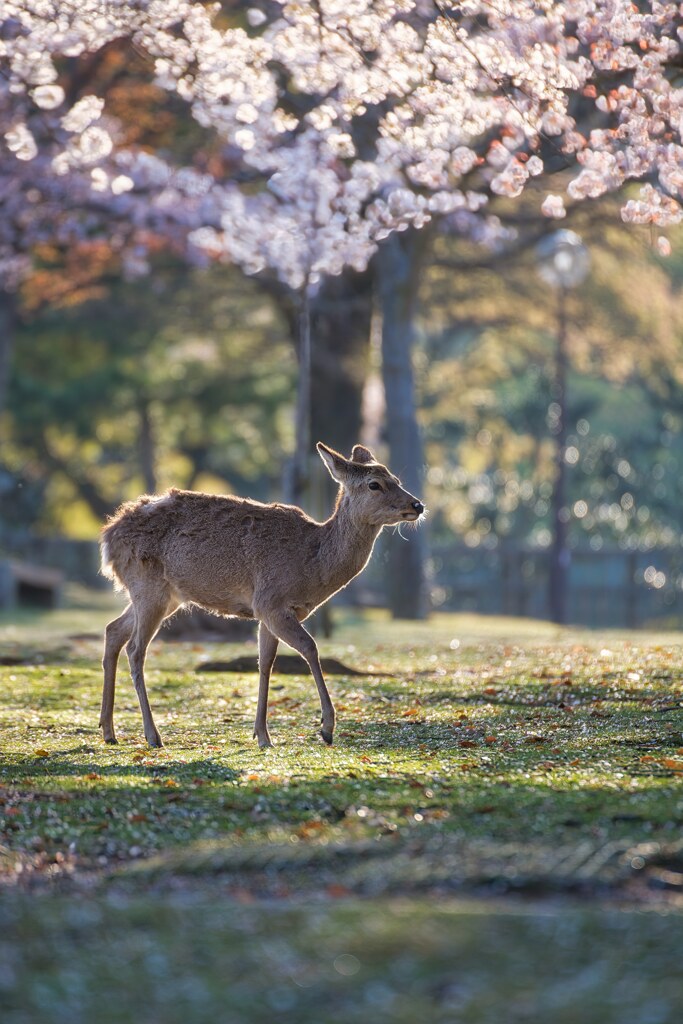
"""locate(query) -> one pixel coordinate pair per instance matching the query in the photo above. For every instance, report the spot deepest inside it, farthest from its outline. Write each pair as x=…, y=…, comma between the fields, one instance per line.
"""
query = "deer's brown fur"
x=239, y=557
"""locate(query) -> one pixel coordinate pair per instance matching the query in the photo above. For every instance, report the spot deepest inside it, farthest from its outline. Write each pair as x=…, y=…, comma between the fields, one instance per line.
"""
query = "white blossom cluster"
x=53, y=150
x=632, y=47
x=350, y=119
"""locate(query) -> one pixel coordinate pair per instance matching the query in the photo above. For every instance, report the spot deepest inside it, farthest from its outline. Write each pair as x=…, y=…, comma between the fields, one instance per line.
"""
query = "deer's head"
x=376, y=494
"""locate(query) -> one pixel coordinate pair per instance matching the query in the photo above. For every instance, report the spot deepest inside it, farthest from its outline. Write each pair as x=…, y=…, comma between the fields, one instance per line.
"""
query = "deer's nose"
x=419, y=507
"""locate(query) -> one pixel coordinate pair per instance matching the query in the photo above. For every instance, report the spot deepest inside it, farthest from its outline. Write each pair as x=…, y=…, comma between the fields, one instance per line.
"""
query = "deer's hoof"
x=111, y=740
x=155, y=742
x=265, y=743
x=327, y=737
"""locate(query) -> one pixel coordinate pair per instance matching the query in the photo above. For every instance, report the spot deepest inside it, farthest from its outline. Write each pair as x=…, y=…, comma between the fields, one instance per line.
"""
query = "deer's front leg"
x=267, y=648
x=286, y=626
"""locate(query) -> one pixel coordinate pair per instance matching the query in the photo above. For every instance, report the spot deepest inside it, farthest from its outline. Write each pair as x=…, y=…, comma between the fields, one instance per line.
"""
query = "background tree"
x=183, y=380
x=488, y=403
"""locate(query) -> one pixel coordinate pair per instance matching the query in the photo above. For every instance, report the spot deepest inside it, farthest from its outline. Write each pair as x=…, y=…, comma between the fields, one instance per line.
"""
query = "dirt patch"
x=285, y=664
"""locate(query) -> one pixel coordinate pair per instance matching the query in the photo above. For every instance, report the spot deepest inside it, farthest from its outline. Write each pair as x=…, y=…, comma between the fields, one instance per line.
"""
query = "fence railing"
x=610, y=587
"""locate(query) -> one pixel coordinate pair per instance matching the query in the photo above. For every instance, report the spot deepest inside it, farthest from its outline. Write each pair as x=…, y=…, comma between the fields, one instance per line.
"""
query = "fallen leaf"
x=337, y=891
x=309, y=828
x=243, y=896
x=40, y=752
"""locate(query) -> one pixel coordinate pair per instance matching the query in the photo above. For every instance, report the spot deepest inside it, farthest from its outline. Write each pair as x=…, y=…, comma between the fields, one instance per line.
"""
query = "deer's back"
x=212, y=549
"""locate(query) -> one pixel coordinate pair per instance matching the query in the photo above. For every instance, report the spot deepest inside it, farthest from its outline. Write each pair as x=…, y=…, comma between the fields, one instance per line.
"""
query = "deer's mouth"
x=410, y=517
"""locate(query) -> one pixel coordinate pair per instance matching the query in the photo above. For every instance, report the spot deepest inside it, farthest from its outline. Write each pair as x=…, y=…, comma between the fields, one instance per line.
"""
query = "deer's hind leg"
x=116, y=634
x=152, y=606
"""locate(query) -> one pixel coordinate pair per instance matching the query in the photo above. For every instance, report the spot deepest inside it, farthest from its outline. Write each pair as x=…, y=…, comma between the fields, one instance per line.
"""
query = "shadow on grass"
x=54, y=766
x=532, y=698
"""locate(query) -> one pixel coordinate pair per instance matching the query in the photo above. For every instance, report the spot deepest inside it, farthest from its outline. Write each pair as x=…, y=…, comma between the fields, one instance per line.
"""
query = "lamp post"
x=563, y=262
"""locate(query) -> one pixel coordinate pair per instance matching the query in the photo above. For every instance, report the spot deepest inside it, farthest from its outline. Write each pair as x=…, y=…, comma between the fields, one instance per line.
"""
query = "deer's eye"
x=374, y=486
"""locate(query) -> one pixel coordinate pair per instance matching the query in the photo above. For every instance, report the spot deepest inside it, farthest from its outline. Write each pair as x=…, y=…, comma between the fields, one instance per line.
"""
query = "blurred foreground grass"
x=191, y=960
x=211, y=880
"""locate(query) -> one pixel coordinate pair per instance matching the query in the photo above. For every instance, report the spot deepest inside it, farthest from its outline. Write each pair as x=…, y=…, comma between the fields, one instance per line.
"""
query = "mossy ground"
x=477, y=757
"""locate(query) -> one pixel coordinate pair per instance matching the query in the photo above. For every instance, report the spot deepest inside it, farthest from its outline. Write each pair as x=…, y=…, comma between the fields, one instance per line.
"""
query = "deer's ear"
x=337, y=465
x=362, y=454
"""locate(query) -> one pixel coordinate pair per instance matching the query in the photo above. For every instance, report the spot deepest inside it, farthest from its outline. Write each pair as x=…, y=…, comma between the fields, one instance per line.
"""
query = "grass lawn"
x=495, y=835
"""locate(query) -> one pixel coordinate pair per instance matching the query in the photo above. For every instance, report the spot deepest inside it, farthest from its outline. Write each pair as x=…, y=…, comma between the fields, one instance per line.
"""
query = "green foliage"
x=179, y=379
x=487, y=379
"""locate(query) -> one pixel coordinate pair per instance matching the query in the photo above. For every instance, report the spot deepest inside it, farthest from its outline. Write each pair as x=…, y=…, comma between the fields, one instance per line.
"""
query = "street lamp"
x=563, y=262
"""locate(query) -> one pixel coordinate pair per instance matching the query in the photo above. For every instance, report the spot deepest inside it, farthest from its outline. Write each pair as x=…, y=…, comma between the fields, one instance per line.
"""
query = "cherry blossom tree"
x=354, y=118
x=350, y=118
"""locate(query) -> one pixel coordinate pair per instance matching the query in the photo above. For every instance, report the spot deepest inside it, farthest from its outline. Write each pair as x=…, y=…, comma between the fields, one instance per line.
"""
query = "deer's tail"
x=131, y=535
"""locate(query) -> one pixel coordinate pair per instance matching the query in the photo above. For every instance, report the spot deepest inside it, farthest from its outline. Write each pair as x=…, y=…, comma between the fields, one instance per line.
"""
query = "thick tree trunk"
x=397, y=273
x=341, y=314
x=296, y=484
x=8, y=324
x=339, y=317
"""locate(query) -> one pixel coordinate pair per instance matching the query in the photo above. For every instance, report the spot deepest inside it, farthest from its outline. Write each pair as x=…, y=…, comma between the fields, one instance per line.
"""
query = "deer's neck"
x=347, y=544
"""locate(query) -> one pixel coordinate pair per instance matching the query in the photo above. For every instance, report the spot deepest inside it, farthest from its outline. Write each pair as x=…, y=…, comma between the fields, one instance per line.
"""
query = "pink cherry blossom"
x=347, y=119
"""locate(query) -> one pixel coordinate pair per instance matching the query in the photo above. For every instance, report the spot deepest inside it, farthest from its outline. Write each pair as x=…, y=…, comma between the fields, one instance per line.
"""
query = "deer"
x=238, y=557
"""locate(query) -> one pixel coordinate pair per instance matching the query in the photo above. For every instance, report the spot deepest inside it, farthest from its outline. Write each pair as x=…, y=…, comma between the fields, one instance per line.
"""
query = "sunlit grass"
x=504, y=730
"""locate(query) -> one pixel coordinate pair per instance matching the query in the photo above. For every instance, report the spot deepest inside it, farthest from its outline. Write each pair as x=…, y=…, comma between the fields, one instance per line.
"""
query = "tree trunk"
x=8, y=325
x=397, y=273
x=297, y=476
x=340, y=318
x=146, y=446
x=341, y=314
